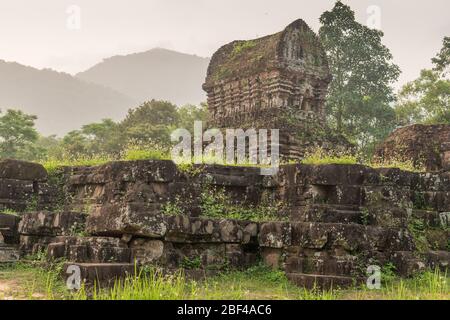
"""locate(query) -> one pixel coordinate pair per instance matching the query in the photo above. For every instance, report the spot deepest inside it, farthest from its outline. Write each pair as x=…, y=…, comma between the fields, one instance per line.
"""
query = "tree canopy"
x=360, y=94
x=427, y=99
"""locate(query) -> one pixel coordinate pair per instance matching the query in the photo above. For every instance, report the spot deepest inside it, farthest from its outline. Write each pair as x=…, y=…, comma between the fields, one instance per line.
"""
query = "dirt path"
x=7, y=289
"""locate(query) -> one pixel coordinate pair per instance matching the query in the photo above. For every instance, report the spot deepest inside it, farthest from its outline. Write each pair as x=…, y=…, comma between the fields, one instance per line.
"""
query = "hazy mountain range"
x=64, y=102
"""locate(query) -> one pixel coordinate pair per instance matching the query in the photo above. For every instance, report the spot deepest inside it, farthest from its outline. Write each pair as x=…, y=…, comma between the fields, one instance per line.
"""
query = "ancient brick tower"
x=275, y=82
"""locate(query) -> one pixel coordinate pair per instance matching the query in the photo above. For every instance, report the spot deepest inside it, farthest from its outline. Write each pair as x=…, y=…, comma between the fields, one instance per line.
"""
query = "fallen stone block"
x=22, y=170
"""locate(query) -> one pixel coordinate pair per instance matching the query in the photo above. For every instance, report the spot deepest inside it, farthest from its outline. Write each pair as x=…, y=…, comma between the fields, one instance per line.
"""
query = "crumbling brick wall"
x=426, y=146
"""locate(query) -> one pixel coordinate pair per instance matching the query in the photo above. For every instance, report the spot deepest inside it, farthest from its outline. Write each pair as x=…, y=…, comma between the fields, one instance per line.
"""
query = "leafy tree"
x=17, y=135
x=190, y=113
x=104, y=137
x=360, y=93
x=427, y=99
x=74, y=144
x=151, y=123
x=442, y=60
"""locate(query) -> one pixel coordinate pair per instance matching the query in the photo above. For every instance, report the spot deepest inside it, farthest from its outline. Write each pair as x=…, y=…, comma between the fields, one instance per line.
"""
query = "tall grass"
x=258, y=282
x=320, y=157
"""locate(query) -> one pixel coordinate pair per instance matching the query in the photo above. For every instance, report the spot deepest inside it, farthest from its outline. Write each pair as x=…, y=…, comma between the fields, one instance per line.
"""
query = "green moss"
x=239, y=47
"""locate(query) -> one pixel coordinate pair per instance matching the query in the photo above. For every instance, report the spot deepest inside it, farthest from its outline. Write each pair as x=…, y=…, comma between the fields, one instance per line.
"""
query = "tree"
x=442, y=60
x=151, y=124
x=17, y=135
x=427, y=99
x=361, y=92
x=104, y=137
x=188, y=114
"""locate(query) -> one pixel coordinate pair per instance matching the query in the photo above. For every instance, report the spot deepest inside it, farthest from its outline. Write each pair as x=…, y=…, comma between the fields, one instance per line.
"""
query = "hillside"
x=157, y=73
x=61, y=101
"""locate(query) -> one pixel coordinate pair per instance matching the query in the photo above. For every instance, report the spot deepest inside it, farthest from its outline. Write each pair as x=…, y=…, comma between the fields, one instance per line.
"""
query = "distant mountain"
x=154, y=74
x=61, y=101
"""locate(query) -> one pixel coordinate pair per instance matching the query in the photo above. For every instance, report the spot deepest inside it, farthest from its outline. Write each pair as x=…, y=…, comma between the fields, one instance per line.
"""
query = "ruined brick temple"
x=333, y=222
x=275, y=82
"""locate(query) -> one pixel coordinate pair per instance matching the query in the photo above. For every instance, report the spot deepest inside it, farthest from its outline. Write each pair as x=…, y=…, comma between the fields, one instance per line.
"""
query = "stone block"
x=136, y=219
x=147, y=251
x=100, y=273
x=22, y=170
x=8, y=228
x=275, y=234
x=45, y=223
x=310, y=235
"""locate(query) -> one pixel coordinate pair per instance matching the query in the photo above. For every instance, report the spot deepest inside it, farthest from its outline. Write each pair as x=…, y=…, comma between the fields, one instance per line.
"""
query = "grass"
x=28, y=281
x=321, y=157
x=10, y=212
x=52, y=165
x=142, y=154
x=402, y=165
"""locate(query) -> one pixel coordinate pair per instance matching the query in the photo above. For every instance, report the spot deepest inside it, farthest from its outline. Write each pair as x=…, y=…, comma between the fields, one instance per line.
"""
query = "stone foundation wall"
x=336, y=220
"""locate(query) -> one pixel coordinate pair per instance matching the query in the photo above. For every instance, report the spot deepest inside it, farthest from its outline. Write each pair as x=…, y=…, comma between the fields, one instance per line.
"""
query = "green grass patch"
x=144, y=154
x=402, y=165
x=53, y=165
x=31, y=281
x=321, y=157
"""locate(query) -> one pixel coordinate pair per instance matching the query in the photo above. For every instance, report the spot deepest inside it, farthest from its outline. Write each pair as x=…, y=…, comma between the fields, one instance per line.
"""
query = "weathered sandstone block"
x=51, y=224
x=275, y=234
x=134, y=219
x=22, y=170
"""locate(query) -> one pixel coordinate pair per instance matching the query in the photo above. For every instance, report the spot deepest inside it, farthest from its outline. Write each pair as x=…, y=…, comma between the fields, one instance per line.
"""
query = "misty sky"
x=35, y=33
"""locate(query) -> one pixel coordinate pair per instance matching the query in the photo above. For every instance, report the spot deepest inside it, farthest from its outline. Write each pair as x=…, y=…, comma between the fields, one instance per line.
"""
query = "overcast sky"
x=41, y=33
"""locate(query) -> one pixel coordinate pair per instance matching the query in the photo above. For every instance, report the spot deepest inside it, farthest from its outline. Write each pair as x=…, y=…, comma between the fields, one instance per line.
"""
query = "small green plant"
x=191, y=263
x=78, y=229
x=388, y=273
x=10, y=212
x=365, y=216
x=38, y=256
x=241, y=46
x=417, y=228
x=173, y=208
x=190, y=169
